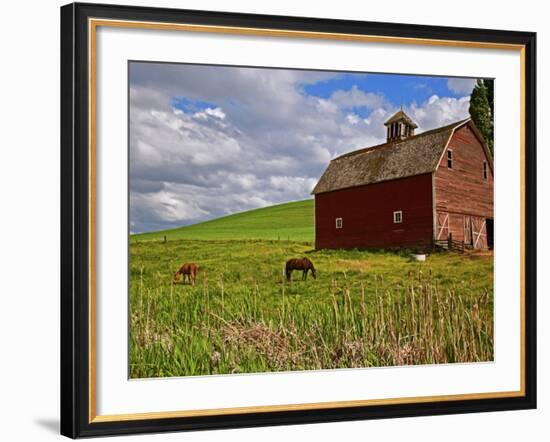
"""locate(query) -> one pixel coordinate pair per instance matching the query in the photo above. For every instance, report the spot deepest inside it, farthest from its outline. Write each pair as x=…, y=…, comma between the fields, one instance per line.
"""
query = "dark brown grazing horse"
x=303, y=264
x=188, y=269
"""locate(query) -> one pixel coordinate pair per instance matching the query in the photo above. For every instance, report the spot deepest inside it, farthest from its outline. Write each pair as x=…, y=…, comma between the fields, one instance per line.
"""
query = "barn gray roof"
x=414, y=155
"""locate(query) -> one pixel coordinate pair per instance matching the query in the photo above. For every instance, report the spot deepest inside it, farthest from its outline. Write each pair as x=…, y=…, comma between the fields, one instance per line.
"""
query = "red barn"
x=411, y=191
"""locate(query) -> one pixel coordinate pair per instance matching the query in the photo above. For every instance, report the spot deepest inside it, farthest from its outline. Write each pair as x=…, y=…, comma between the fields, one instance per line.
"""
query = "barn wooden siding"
x=367, y=215
x=463, y=199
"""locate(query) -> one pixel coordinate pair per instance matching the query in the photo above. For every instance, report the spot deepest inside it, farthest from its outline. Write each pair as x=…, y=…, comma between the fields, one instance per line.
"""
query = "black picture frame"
x=75, y=220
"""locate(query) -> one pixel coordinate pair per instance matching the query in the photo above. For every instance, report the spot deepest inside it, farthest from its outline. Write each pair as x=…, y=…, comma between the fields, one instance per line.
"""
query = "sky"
x=209, y=141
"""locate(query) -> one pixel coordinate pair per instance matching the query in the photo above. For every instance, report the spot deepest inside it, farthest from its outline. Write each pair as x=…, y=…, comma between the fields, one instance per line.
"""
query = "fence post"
x=450, y=241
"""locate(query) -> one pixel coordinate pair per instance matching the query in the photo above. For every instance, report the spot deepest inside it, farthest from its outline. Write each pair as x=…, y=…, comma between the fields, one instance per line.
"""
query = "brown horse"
x=188, y=269
x=303, y=264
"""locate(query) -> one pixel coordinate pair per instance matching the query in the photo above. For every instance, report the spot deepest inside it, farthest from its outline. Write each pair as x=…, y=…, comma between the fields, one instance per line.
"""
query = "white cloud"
x=353, y=119
x=167, y=206
x=439, y=111
x=461, y=85
x=209, y=112
x=297, y=186
x=357, y=98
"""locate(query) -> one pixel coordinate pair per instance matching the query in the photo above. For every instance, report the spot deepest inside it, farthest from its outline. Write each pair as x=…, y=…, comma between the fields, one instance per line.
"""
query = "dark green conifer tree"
x=481, y=112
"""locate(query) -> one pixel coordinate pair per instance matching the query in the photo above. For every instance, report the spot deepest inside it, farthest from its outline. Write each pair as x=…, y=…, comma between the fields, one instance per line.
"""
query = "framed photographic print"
x=274, y=220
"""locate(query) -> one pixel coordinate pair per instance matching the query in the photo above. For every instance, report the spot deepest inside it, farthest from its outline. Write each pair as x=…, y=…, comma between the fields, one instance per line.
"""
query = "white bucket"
x=419, y=257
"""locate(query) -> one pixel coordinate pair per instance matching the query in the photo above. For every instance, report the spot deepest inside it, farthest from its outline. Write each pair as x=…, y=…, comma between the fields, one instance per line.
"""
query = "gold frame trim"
x=93, y=24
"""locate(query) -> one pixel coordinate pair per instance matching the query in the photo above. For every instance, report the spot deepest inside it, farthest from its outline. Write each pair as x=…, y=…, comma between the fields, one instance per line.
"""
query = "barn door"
x=468, y=230
x=490, y=227
x=442, y=226
x=479, y=233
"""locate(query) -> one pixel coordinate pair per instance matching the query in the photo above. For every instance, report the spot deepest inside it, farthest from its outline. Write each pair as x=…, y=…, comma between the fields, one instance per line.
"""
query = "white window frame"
x=450, y=158
x=398, y=214
x=341, y=224
x=485, y=171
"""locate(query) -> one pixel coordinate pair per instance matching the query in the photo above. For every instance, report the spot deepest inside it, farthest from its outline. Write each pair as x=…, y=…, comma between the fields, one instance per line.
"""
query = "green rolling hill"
x=289, y=221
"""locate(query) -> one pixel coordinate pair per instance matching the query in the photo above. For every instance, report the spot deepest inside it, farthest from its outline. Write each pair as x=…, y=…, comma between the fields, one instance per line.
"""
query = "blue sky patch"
x=191, y=106
x=397, y=89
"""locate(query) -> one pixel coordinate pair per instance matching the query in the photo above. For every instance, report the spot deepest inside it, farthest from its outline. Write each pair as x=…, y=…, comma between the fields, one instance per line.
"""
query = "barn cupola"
x=399, y=126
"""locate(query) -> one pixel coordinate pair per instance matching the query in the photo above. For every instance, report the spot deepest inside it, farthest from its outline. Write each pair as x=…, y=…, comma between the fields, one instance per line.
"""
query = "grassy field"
x=290, y=221
x=366, y=308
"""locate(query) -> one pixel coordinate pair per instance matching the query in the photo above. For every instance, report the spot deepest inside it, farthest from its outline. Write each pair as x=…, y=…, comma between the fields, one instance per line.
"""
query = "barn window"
x=450, y=159
x=485, y=174
x=339, y=223
x=398, y=217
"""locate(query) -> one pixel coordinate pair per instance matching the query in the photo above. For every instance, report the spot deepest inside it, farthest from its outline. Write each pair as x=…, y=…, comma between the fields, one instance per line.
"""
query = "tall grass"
x=240, y=320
